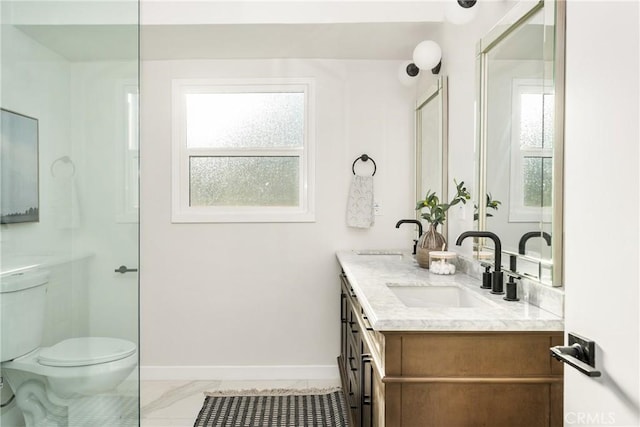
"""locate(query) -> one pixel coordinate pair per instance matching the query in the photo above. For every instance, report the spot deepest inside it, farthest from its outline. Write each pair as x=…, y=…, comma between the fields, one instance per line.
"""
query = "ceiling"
x=387, y=40
x=87, y=42
x=229, y=29
x=337, y=41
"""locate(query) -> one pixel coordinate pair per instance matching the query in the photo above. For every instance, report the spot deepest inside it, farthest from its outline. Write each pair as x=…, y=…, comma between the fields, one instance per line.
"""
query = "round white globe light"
x=427, y=55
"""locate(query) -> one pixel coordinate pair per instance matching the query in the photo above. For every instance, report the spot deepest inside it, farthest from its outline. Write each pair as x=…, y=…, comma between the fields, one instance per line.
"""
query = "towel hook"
x=364, y=158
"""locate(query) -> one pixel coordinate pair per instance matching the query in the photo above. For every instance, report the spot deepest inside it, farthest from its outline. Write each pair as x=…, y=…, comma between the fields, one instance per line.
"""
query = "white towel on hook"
x=65, y=205
x=360, y=212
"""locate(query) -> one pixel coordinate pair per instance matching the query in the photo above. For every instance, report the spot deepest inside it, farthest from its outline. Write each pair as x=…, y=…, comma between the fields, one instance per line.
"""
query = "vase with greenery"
x=435, y=213
x=491, y=204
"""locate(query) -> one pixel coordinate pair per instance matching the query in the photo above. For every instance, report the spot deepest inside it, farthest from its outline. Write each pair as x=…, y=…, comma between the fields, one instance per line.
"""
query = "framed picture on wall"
x=19, y=192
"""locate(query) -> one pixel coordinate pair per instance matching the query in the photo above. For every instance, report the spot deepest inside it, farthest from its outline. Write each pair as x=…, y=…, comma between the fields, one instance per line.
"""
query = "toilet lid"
x=86, y=351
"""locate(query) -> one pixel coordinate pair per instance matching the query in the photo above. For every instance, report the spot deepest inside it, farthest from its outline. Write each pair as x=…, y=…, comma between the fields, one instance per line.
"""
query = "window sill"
x=241, y=217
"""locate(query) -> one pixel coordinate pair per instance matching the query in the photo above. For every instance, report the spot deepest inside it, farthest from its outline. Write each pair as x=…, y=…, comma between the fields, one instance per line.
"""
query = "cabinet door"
x=353, y=380
x=343, y=328
x=366, y=391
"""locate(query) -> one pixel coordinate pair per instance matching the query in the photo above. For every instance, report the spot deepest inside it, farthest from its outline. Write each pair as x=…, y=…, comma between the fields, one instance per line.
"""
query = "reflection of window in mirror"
x=531, y=192
x=127, y=178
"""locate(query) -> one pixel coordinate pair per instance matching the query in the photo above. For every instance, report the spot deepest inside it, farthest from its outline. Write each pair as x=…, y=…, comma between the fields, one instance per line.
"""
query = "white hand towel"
x=65, y=204
x=360, y=202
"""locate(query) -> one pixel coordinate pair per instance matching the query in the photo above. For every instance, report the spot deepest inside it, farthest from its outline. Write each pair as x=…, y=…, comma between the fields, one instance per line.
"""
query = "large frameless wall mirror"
x=520, y=114
x=431, y=143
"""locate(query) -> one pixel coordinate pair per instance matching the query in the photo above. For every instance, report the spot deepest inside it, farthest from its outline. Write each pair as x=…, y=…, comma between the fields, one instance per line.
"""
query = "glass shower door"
x=71, y=69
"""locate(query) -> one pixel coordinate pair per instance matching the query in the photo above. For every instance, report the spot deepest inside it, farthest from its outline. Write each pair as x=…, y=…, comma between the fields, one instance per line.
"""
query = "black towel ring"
x=66, y=160
x=364, y=158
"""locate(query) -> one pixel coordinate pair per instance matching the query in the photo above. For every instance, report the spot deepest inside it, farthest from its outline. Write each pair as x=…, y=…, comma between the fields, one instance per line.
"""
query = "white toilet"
x=46, y=380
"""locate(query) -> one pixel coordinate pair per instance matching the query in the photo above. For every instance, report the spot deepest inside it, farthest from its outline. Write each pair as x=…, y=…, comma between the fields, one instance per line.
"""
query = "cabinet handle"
x=366, y=400
x=343, y=307
x=351, y=359
x=367, y=324
x=351, y=323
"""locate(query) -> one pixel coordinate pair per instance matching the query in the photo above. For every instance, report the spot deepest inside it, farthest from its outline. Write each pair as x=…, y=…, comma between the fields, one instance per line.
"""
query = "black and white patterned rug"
x=274, y=408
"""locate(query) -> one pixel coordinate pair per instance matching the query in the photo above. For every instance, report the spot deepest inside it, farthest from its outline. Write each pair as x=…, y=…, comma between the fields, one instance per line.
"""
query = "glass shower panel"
x=70, y=71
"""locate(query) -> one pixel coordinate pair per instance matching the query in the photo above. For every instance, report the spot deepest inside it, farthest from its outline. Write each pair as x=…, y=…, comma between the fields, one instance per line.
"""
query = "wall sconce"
x=408, y=73
x=428, y=56
x=467, y=3
x=461, y=11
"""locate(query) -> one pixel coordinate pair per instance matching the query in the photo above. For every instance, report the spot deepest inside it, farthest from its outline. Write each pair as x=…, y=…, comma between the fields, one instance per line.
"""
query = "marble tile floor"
x=177, y=403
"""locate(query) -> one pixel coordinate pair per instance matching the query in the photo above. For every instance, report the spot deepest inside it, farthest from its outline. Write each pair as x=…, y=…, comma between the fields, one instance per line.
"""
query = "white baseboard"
x=286, y=372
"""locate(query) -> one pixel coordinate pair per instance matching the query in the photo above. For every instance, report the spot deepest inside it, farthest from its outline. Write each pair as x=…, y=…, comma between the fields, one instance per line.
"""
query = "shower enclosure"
x=69, y=181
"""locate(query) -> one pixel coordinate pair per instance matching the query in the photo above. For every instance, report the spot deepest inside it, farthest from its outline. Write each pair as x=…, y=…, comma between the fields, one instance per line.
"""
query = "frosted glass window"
x=531, y=120
x=244, y=181
x=243, y=150
x=242, y=120
x=536, y=120
x=128, y=158
x=531, y=168
x=537, y=173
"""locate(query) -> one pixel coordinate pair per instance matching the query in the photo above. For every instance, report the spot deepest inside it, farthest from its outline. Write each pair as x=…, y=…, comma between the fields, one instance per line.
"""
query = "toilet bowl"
x=47, y=380
x=77, y=366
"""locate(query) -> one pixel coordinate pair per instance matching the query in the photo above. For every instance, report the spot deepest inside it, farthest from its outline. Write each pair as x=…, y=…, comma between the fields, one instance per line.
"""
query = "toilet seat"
x=85, y=366
x=85, y=351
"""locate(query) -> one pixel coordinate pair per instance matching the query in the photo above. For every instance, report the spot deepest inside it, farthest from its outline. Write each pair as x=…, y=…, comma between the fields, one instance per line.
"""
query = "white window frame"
x=518, y=212
x=182, y=212
x=128, y=154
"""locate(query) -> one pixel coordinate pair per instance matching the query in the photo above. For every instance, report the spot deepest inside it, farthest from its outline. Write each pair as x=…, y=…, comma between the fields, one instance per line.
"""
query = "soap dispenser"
x=512, y=288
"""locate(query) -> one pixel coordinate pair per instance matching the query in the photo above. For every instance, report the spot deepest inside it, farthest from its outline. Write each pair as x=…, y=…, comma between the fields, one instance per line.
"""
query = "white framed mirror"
x=432, y=143
x=520, y=112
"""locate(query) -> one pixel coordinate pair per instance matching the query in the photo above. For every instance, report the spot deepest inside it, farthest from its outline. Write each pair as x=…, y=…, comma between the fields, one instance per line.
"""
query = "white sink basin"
x=413, y=295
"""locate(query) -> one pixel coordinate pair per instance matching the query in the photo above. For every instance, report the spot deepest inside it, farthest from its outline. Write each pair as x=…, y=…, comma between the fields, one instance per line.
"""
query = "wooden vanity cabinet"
x=433, y=378
x=361, y=384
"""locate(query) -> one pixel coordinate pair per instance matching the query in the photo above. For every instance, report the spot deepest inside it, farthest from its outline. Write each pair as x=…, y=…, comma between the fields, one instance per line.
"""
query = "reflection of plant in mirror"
x=491, y=204
x=437, y=212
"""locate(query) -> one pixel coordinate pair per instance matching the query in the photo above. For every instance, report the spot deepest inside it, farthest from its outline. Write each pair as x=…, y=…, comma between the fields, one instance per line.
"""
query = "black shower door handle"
x=124, y=269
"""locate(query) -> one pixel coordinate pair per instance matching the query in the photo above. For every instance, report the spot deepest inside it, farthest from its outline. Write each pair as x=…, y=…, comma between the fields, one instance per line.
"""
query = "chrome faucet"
x=526, y=236
x=497, y=282
x=412, y=221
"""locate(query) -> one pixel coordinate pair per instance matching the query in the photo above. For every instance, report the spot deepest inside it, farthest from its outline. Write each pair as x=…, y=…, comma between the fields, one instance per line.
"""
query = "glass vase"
x=429, y=241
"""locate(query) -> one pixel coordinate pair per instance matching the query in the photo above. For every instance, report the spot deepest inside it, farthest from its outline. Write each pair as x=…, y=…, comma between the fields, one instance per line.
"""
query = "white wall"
x=601, y=209
x=222, y=295
x=80, y=111
x=99, y=139
x=215, y=295
x=35, y=82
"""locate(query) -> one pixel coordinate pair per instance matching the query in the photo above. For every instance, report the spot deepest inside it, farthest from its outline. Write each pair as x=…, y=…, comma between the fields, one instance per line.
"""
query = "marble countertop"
x=373, y=273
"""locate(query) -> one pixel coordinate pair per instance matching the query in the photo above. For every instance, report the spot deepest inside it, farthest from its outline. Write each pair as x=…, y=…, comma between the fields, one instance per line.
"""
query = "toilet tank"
x=22, y=308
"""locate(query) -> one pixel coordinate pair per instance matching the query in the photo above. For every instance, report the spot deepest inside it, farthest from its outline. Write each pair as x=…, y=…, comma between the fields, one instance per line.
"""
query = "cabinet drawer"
x=477, y=354
x=463, y=405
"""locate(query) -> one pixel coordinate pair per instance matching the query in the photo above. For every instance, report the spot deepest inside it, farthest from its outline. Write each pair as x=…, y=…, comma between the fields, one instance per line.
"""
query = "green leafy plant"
x=491, y=204
x=436, y=212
